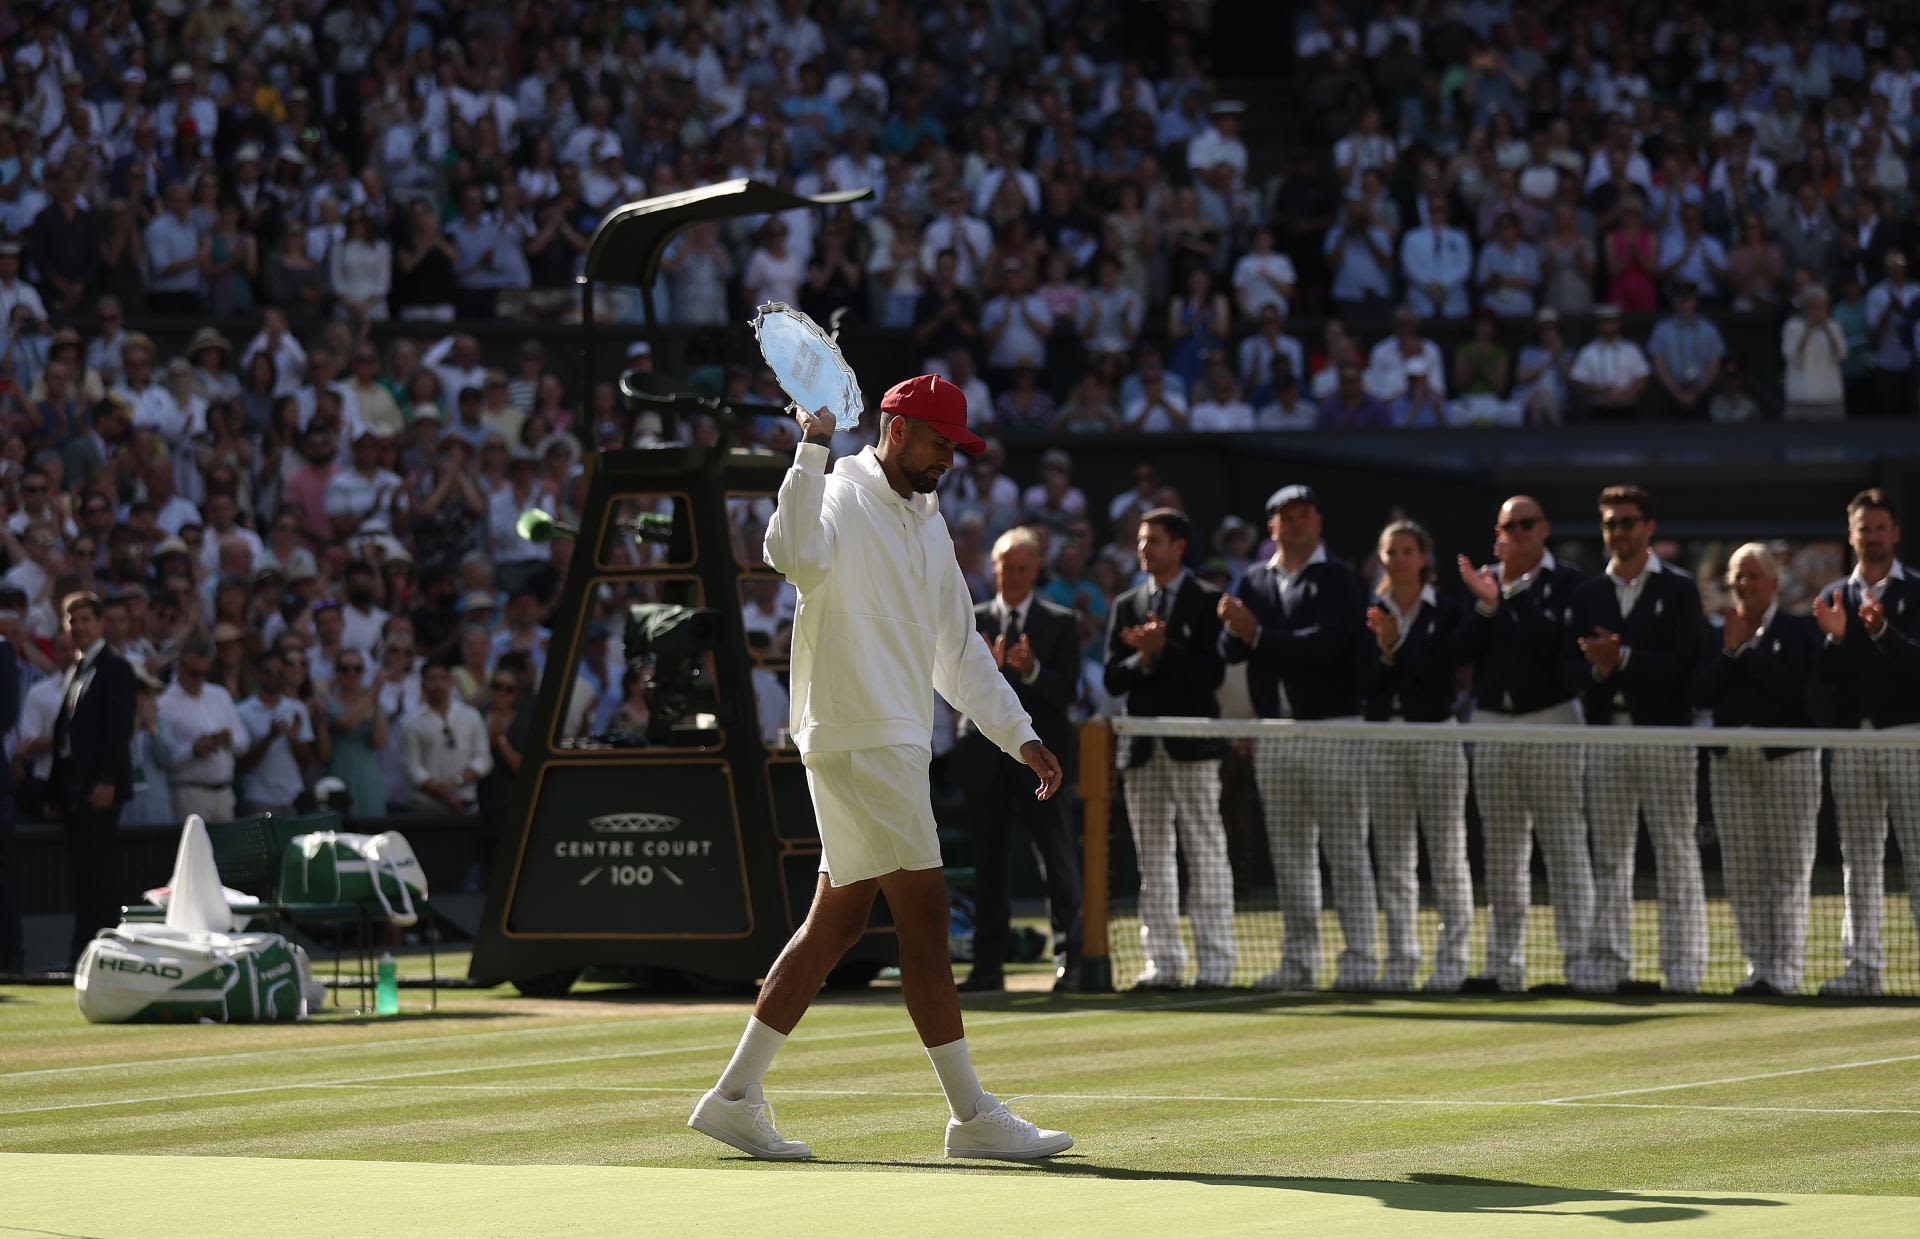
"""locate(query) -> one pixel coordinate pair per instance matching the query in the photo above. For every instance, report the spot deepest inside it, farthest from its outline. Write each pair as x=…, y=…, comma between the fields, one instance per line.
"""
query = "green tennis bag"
x=334, y=867
x=138, y=973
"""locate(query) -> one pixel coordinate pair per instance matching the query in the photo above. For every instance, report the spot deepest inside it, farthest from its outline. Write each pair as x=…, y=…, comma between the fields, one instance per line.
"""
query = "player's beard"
x=926, y=481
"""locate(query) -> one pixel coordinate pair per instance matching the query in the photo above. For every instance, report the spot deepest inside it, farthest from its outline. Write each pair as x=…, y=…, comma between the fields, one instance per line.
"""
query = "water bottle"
x=386, y=989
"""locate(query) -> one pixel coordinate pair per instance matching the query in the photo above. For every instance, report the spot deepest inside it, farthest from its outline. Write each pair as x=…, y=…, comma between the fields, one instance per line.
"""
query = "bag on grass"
x=334, y=867
x=152, y=974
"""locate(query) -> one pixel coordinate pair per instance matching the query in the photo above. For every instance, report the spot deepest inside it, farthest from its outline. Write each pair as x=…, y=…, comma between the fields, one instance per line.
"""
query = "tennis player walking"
x=884, y=619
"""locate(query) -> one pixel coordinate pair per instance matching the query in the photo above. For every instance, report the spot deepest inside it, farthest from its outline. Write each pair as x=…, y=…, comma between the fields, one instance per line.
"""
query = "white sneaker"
x=746, y=1124
x=1858, y=981
x=1286, y=976
x=995, y=1131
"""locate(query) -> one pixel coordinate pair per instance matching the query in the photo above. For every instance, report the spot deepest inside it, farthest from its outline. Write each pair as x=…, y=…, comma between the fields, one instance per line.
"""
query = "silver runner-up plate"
x=808, y=363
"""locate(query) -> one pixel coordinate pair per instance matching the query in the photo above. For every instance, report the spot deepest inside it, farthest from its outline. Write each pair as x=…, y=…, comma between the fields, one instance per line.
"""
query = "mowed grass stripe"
x=621, y=1051
x=1240, y=1053
x=1588, y=1148
x=1393, y=1050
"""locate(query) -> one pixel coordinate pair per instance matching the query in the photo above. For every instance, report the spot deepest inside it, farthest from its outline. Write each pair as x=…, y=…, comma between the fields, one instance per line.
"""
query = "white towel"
x=198, y=901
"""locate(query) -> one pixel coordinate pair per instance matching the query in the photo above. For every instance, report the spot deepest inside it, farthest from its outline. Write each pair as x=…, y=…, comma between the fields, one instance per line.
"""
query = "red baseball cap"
x=933, y=400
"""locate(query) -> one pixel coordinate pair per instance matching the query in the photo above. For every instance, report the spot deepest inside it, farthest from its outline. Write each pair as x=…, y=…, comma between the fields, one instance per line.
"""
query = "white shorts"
x=875, y=812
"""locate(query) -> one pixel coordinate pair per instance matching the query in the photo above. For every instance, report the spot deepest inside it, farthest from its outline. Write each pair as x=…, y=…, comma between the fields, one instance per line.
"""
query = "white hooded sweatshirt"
x=884, y=615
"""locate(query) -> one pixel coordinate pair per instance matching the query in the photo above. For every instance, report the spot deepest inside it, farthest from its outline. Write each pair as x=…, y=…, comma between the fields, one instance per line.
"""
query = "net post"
x=1096, y=793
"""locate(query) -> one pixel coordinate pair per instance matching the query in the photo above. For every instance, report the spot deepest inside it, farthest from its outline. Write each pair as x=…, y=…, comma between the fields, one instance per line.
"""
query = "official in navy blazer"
x=1754, y=673
x=1417, y=791
x=1870, y=622
x=1299, y=623
x=1636, y=635
x=1517, y=640
x=1163, y=654
x=92, y=777
x=1037, y=646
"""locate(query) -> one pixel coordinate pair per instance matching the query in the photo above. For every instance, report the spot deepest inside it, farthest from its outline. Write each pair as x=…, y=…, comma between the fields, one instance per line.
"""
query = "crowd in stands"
x=1055, y=188
x=1066, y=220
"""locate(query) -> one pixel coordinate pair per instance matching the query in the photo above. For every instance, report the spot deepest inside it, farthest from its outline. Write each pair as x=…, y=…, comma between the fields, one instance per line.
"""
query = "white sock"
x=751, y=1059
x=957, y=1081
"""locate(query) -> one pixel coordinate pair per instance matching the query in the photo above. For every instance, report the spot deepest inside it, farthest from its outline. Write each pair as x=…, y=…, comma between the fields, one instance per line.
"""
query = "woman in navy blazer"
x=1417, y=787
x=1765, y=801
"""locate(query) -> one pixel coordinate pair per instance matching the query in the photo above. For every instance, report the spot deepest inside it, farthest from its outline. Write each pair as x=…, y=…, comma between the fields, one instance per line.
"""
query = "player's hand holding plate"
x=809, y=367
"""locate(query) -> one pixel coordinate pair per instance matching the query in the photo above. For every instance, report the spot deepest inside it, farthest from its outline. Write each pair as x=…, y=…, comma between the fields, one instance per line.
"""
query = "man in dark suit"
x=1871, y=653
x=11, y=945
x=1299, y=622
x=1635, y=637
x=1162, y=653
x=1517, y=639
x=92, y=765
x=1036, y=645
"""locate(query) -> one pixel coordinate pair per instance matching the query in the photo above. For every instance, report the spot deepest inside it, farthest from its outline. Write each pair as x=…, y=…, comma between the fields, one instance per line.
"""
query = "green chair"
x=365, y=913
x=250, y=853
x=239, y=853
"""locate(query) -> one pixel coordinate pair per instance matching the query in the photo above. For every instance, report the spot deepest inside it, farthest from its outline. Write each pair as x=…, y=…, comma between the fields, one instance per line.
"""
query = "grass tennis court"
x=1212, y=1112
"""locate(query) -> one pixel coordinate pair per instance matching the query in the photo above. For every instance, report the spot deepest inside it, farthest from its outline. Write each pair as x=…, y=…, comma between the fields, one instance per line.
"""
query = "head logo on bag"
x=117, y=963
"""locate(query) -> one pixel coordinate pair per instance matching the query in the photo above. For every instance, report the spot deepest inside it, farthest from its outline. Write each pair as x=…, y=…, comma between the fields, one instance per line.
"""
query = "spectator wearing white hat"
x=1610, y=372
x=188, y=103
x=1220, y=142
x=362, y=492
x=1418, y=407
x=606, y=183
x=120, y=117
x=1813, y=346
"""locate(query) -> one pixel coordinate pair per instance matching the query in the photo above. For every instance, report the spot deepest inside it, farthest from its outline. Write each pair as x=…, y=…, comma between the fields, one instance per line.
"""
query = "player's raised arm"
x=798, y=543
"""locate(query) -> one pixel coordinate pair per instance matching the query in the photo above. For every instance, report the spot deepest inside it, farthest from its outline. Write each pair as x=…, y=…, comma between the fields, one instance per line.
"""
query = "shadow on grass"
x=1611, y=1012
x=1417, y=1193
x=331, y=1016
x=1589, y=1019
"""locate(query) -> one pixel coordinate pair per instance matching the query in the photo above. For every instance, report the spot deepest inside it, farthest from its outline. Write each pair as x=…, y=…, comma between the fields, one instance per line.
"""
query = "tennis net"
x=1402, y=856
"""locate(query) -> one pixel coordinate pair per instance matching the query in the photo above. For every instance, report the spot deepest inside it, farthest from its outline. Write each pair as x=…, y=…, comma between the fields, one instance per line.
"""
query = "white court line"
x=1154, y=1097
x=892, y=1031
x=1660, y=1105
x=1759, y=1075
